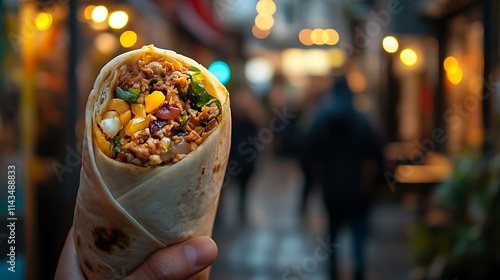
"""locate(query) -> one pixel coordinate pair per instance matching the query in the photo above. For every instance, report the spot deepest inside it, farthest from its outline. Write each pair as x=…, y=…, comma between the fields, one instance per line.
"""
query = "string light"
x=118, y=19
x=99, y=14
x=408, y=57
x=390, y=44
x=264, y=20
x=319, y=37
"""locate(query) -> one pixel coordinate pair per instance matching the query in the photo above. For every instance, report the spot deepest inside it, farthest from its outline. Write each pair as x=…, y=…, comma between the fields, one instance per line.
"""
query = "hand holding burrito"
x=180, y=261
x=152, y=165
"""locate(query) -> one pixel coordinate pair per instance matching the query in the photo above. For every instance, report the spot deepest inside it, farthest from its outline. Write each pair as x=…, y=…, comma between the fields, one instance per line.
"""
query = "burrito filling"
x=159, y=113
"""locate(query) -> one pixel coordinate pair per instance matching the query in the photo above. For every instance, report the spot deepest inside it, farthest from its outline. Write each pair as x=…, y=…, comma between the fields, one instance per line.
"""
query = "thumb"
x=179, y=261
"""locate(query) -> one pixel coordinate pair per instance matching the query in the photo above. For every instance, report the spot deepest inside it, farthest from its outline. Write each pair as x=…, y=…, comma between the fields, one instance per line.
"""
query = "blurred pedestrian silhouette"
x=247, y=116
x=345, y=146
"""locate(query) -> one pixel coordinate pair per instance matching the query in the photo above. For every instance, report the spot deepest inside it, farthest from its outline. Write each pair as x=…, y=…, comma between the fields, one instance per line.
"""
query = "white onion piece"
x=181, y=148
x=167, y=156
x=111, y=126
x=111, y=114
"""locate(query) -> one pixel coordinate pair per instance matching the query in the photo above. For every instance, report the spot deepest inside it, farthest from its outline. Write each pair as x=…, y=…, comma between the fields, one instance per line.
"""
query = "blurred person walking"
x=247, y=117
x=345, y=146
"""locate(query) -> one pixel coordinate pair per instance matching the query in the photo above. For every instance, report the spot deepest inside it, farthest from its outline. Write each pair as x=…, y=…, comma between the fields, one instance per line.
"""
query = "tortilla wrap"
x=124, y=212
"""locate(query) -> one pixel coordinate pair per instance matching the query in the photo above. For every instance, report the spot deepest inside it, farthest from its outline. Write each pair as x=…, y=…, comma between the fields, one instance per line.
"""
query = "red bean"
x=168, y=112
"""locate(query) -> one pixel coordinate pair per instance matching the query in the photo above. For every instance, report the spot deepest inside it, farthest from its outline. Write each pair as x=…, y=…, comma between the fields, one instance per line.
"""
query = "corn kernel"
x=125, y=117
x=136, y=124
x=154, y=101
x=103, y=144
x=119, y=105
x=138, y=110
x=140, y=100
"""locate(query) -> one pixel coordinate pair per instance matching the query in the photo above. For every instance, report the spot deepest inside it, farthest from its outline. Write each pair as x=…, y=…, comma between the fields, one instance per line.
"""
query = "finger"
x=68, y=266
x=180, y=261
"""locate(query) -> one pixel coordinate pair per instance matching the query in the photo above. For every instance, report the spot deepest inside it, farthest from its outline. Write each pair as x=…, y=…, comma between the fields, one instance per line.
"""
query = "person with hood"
x=343, y=143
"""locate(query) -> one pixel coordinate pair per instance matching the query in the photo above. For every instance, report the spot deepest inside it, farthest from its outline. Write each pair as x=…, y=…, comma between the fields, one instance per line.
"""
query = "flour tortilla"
x=124, y=212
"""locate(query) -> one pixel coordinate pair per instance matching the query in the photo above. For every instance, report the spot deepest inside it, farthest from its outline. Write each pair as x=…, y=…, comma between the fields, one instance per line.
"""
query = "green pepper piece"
x=131, y=95
x=117, y=147
x=185, y=118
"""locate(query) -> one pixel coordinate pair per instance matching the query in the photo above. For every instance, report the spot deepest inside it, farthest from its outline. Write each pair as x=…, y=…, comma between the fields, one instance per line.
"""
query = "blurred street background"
x=364, y=140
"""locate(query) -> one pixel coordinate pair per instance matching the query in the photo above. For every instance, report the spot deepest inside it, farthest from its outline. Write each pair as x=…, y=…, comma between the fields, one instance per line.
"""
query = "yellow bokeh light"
x=264, y=22
x=99, y=14
x=449, y=62
x=390, y=44
x=266, y=7
x=454, y=74
x=324, y=37
x=408, y=57
x=128, y=39
x=305, y=37
x=317, y=36
x=337, y=58
x=118, y=19
x=333, y=37
x=259, y=33
x=88, y=12
x=43, y=21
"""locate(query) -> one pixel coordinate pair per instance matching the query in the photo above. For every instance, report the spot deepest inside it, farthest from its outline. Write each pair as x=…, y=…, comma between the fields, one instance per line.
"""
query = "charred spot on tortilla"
x=78, y=241
x=159, y=112
x=87, y=264
x=186, y=192
x=216, y=168
x=198, y=186
x=108, y=239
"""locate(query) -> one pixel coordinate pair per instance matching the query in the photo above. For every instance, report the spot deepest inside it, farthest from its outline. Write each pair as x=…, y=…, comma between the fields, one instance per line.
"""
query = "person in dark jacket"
x=342, y=142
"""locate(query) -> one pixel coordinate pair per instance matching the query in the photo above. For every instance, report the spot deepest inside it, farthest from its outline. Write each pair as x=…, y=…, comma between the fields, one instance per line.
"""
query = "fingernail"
x=200, y=251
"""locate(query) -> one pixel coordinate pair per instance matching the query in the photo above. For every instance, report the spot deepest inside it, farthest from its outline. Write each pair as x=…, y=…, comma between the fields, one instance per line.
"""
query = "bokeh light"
x=408, y=57
x=264, y=22
x=357, y=81
x=266, y=7
x=118, y=19
x=221, y=70
x=454, y=74
x=99, y=14
x=449, y=62
x=305, y=37
x=43, y=21
x=259, y=70
x=390, y=44
x=128, y=39
x=317, y=36
x=259, y=33
x=316, y=62
x=337, y=57
x=333, y=37
x=106, y=43
x=87, y=13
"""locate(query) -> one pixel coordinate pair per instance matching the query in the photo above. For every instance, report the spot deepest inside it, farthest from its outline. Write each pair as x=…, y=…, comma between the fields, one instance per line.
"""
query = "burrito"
x=155, y=150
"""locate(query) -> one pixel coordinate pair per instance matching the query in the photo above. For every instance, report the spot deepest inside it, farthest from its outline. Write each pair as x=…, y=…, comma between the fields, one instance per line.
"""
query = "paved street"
x=276, y=243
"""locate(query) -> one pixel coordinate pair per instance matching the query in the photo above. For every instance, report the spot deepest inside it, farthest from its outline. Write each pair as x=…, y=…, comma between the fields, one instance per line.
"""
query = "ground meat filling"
x=160, y=112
